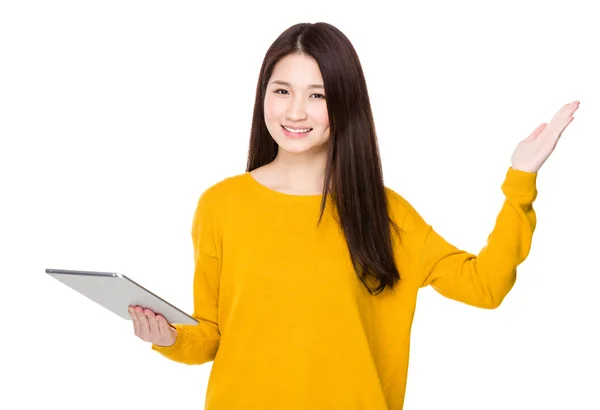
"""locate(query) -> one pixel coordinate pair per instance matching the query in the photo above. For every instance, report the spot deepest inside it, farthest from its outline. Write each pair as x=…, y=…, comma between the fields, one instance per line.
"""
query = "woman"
x=307, y=266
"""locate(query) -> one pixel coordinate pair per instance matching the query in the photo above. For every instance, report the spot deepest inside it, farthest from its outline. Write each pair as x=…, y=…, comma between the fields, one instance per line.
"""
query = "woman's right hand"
x=151, y=327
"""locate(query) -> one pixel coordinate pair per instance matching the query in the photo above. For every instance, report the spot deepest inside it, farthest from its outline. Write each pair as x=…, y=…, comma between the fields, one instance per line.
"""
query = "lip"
x=296, y=135
x=295, y=127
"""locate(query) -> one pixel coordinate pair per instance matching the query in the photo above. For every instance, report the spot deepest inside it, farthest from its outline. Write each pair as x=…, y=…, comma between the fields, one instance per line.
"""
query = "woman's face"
x=295, y=108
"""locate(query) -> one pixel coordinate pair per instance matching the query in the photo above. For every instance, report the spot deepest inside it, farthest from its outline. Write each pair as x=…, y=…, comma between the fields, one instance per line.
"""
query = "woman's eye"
x=284, y=92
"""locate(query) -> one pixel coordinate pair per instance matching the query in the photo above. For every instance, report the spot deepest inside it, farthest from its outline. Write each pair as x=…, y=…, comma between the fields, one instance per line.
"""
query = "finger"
x=167, y=331
x=134, y=319
x=560, y=121
x=560, y=125
x=144, y=326
x=537, y=131
x=154, y=332
x=562, y=129
x=163, y=325
x=566, y=111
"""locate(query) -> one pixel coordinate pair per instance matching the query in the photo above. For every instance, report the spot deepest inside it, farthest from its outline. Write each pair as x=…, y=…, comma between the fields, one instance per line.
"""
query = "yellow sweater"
x=286, y=320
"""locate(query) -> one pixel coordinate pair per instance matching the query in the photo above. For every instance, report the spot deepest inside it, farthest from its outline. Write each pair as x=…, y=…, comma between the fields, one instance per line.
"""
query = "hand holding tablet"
x=151, y=327
x=152, y=316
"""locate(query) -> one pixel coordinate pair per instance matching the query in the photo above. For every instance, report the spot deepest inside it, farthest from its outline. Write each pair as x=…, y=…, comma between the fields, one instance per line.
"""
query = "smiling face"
x=295, y=108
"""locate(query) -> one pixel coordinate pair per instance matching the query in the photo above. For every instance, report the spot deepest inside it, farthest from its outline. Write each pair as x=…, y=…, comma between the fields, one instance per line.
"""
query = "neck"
x=301, y=172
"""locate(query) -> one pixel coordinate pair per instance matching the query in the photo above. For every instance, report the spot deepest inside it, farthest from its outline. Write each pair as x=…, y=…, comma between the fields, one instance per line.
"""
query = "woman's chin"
x=301, y=147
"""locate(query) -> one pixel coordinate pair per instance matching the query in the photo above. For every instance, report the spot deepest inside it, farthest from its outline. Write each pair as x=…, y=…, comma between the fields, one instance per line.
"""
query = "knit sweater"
x=284, y=317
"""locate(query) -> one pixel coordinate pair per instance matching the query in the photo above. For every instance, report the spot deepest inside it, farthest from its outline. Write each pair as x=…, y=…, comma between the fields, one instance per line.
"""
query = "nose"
x=296, y=110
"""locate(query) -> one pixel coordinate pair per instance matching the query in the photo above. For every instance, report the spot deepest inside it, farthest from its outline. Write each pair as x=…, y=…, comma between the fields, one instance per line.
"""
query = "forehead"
x=297, y=69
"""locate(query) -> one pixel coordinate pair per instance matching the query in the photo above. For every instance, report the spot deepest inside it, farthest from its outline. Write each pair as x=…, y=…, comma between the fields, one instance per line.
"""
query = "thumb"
x=536, y=132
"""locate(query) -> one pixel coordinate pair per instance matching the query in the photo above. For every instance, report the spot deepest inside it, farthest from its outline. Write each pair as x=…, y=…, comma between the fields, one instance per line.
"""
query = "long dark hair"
x=353, y=164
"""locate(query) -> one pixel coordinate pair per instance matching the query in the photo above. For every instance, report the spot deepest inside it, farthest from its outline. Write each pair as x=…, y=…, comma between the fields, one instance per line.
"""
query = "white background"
x=116, y=115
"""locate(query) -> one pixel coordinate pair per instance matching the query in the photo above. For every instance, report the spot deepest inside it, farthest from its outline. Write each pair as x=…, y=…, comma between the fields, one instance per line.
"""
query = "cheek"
x=320, y=116
x=273, y=111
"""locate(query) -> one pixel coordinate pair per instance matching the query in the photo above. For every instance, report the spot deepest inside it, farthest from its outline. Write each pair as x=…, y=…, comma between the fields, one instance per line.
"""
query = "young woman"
x=307, y=266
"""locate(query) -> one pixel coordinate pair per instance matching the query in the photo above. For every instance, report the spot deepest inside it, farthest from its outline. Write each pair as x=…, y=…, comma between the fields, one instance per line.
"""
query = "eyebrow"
x=289, y=85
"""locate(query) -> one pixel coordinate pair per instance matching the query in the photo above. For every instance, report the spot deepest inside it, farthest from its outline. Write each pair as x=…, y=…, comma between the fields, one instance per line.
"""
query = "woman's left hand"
x=533, y=151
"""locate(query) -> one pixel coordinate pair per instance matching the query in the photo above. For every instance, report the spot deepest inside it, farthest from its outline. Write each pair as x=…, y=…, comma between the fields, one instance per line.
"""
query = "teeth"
x=292, y=130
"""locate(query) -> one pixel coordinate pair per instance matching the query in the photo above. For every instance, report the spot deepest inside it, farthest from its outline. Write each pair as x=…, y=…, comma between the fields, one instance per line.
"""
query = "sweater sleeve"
x=483, y=280
x=198, y=344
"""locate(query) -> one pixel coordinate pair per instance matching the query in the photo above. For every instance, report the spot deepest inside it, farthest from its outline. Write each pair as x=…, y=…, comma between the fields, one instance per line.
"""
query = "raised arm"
x=483, y=280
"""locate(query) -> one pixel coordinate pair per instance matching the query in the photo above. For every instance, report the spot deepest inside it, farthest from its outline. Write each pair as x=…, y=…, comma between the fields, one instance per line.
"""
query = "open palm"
x=533, y=151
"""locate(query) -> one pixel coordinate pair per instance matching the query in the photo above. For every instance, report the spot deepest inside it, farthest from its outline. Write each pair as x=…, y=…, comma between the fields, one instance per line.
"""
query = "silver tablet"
x=116, y=292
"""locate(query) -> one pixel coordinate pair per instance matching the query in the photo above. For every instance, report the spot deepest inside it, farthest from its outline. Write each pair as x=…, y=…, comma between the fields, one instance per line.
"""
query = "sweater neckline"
x=282, y=195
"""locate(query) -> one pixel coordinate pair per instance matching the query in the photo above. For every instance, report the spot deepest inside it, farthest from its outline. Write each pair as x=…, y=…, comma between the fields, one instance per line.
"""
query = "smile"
x=297, y=131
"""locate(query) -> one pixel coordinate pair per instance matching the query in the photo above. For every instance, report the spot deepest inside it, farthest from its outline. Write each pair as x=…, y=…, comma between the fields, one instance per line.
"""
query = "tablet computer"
x=116, y=292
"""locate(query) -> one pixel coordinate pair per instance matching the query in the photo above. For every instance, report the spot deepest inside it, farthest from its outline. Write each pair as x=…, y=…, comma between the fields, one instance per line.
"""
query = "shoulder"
x=217, y=196
x=224, y=189
x=402, y=212
x=414, y=231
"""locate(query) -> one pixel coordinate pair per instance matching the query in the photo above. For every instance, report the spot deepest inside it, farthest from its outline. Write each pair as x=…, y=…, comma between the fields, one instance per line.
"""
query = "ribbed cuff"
x=182, y=338
x=520, y=183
